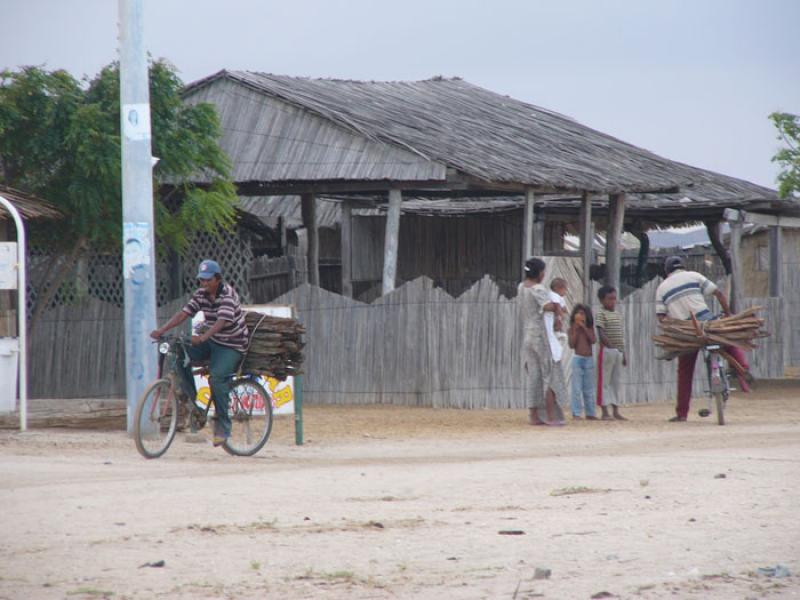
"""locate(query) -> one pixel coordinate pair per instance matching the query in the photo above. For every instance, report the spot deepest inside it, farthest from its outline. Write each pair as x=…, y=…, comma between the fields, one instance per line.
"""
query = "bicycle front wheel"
x=251, y=417
x=156, y=419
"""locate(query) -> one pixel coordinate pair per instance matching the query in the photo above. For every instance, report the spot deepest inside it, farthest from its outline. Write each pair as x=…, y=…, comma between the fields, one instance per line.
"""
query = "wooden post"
x=736, y=266
x=775, y=259
x=538, y=235
x=616, y=218
x=714, y=229
x=527, y=228
x=587, y=240
x=391, y=241
x=308, y=208
x=347, y=249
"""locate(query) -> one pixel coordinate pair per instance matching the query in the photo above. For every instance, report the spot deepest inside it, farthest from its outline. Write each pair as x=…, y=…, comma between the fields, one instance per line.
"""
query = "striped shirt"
x=225, y=306
x=681, y=295
x=610, y=321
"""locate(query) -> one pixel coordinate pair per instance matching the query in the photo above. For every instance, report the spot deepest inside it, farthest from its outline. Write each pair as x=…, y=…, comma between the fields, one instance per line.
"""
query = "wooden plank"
x=391, y=240
x=587, y=236
x=775, y=260
x=309, y=209
x=616, y=218
x=347, y=248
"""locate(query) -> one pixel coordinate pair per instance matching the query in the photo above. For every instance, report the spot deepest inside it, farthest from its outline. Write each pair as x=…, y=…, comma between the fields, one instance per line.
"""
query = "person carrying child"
x=611, y=356
x=581, y=339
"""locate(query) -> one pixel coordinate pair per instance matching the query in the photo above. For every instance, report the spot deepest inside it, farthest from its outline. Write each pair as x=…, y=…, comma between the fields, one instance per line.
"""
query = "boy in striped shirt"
x=611, y=357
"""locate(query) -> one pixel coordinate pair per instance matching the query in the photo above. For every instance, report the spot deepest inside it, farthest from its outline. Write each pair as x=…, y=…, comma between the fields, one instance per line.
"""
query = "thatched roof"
x=279, y=128
x=29, y=207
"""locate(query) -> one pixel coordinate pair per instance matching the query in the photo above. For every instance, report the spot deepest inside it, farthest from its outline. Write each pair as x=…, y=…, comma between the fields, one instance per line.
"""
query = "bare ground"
x=387, y=502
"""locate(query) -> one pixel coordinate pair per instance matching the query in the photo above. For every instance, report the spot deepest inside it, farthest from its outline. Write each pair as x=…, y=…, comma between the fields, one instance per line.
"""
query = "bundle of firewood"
x=276, y=346
x=740, y=330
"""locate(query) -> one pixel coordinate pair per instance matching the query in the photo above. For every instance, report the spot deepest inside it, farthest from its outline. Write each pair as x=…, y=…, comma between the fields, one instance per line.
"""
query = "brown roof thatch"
x=29, y=207
x=279, y=128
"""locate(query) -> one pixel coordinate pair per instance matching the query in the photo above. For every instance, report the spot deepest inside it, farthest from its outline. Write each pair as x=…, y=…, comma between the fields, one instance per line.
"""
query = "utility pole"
x=137, y=205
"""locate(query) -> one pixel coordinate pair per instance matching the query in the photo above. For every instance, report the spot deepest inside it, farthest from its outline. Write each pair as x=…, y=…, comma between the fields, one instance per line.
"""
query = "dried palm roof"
x=29, y=207
x=413, y=131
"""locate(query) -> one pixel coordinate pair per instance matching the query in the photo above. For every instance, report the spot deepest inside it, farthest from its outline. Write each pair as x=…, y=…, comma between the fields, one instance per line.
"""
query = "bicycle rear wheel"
x=156, y=419
x=251, y=418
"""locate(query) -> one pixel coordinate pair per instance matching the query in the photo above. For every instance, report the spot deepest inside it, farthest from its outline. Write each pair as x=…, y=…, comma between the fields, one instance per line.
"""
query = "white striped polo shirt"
x=682, y=295
x=225, y=306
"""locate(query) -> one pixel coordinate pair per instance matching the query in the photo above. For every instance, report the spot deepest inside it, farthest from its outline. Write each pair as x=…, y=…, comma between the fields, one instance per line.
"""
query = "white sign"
x=8, y=266
x=281, y=393
x=136, y=124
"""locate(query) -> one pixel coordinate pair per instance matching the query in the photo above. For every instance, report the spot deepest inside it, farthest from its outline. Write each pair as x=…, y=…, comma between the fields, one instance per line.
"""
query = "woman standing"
x=544, y=378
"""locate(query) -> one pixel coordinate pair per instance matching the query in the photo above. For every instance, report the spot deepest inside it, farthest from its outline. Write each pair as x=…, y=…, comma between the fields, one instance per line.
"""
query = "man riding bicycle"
x=681, y=295
x=223, y=344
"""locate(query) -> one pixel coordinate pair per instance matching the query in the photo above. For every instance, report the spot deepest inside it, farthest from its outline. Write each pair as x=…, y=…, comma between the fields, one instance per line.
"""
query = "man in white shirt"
x=681, y=295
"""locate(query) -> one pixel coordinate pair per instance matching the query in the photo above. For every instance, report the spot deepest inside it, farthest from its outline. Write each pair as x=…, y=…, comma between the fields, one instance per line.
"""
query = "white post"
x=137, y=205
x=22, y=314
x=391, y=241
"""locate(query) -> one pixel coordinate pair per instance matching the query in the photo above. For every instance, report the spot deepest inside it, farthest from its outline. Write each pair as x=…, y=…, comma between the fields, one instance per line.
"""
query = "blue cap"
x=208, y=268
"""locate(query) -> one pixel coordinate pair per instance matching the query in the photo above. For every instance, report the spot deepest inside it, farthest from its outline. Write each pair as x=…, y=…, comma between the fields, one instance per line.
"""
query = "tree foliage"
x=60, y=139
x=788, y=157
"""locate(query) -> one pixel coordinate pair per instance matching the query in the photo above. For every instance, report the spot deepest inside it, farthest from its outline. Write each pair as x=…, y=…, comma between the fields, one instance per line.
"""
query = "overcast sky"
x=692, y=80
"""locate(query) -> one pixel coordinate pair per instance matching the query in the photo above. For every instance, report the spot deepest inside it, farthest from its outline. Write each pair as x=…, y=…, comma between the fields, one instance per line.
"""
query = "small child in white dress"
x=553, y=323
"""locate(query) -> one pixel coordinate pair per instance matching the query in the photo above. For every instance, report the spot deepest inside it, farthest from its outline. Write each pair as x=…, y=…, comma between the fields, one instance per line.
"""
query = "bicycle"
x=159, y=411
x=718, y=385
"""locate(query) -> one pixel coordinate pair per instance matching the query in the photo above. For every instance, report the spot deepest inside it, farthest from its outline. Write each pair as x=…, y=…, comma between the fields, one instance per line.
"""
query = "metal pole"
x=298, y=410
x=137, y=205
x=22, y=313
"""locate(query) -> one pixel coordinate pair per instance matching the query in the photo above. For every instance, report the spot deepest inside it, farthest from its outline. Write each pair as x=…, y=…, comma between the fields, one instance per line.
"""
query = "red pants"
x=686, y=363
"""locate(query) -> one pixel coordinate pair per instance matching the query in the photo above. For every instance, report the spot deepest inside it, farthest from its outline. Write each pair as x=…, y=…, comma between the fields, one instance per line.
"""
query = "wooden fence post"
x=391, y=241
x=308, y=208
x=527, y=227
x=347, y=249
x=586, y=246
x=616, y=218
x=775, y=259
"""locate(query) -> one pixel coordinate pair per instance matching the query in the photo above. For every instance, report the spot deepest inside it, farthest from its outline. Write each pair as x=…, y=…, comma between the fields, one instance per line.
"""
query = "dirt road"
x=389, y=502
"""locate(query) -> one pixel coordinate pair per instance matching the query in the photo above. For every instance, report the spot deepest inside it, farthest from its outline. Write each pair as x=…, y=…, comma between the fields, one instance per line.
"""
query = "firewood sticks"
x=276, y=346
x=740, y=330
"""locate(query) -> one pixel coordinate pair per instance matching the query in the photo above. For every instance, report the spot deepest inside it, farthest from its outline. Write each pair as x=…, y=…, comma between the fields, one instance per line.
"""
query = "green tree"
x=60, y=139
x=789, y=157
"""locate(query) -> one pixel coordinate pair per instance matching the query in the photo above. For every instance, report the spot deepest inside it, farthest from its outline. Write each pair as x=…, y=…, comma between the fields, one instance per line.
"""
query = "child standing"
x=581, y=339
x=611, y=357
x=552, y=320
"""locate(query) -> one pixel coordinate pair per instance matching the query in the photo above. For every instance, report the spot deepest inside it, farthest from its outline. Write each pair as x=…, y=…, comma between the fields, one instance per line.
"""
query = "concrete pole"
x=391, y=241
x=137, y=206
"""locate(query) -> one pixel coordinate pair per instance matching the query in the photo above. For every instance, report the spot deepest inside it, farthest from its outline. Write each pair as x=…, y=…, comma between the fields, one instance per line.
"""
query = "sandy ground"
x=389, y=502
